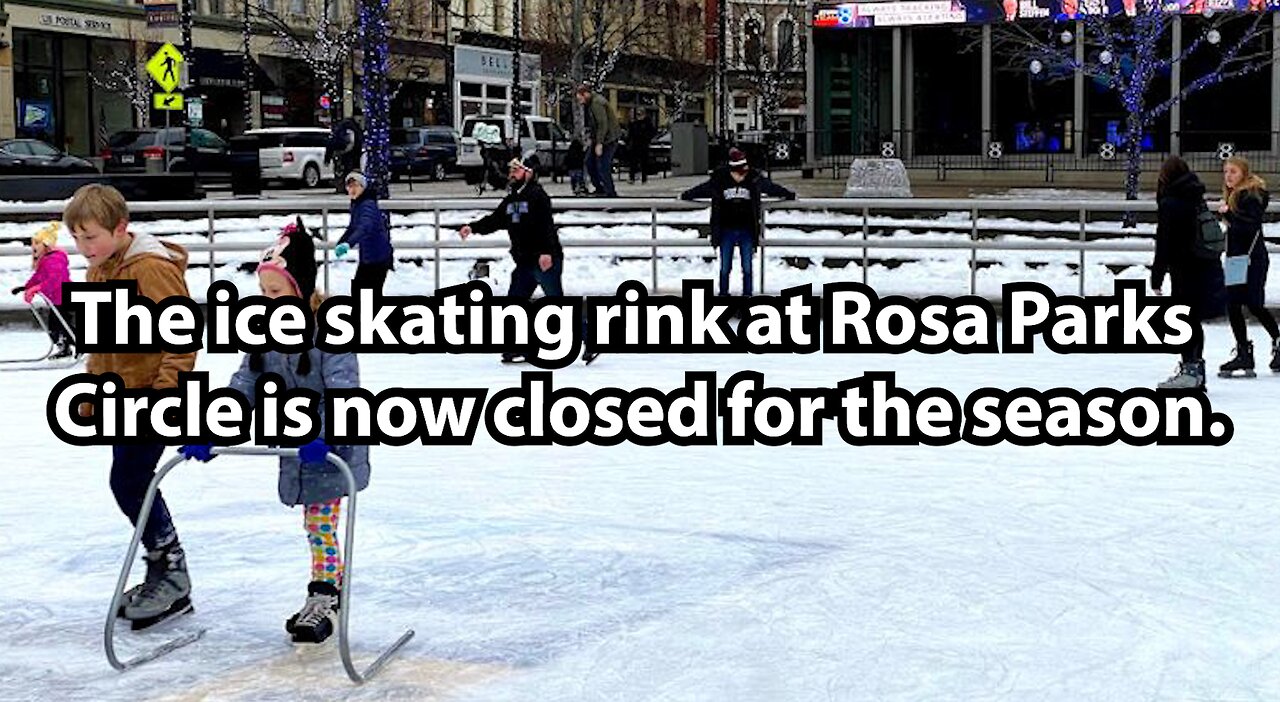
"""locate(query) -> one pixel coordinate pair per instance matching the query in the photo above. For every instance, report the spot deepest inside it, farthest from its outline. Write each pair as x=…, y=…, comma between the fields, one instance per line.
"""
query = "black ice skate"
x=164, y=593
x=589, y=356
x=316, y=620
x=512, y=358
x=1275, y=355
x=1240, y=366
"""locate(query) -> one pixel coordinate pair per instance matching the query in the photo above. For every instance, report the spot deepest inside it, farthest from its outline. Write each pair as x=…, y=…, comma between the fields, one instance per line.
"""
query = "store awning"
x=215, y=68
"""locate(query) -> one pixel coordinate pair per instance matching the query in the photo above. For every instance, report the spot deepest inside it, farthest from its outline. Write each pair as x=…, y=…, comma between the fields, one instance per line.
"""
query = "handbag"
x=1235, y=269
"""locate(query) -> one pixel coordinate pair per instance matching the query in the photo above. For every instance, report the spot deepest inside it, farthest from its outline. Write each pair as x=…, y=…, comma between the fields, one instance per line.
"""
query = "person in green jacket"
x=604, y=132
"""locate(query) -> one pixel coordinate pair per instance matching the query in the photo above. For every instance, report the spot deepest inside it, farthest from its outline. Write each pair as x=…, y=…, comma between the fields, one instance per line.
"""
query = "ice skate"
x=1189, y=376
x=1275, y=355
x=589, y=356
x=1241, y=365
x=316, y=620
x=513, y=358
x=164, y=593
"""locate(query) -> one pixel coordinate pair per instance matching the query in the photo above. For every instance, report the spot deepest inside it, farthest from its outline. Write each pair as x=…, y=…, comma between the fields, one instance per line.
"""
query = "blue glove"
x=198, y=452
x=315, y=452
x=342, y=249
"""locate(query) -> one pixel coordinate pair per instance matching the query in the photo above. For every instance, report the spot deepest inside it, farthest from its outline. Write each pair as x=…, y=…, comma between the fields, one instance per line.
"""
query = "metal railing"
x=1077, y=228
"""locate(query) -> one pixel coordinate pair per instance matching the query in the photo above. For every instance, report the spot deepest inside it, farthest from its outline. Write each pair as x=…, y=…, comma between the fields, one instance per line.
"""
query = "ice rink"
x=682, y=574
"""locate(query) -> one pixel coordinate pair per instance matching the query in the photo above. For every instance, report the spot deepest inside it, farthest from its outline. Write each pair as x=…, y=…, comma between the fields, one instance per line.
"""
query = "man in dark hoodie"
x=369, y=231
x=736, y=217
x=535, y=245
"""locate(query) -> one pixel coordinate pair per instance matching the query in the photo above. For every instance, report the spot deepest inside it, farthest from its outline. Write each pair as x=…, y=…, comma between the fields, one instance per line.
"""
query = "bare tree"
x=124, y=75
x=583, y=40
x=320, y=36
x=1125, y=54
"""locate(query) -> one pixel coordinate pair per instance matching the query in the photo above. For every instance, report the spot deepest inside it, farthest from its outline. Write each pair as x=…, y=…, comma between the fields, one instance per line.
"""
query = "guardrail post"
x=1083, y=238
x=212, y=259
x=973, y=251
x=866, y=234
x=763, y=213
x=653, y=234
x=324, y=227
x=435, y=210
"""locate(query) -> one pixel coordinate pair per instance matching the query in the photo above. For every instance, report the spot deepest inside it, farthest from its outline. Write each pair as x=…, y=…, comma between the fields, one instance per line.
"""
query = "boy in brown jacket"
x=98, y=217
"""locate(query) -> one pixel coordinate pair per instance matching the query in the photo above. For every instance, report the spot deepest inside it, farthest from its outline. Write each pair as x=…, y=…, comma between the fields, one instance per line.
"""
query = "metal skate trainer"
x=344, y=647
x=43, y=362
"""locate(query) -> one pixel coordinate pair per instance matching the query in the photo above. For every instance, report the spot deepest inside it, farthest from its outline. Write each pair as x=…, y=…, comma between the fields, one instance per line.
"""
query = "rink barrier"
x=861, y=211
x=344, y=643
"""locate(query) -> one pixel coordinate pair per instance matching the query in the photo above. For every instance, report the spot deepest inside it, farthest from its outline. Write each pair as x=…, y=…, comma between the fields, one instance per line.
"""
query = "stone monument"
x=877, y=177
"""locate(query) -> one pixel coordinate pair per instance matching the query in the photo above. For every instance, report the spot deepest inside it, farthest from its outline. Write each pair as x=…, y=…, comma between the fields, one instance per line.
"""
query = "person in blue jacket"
x=370, y=231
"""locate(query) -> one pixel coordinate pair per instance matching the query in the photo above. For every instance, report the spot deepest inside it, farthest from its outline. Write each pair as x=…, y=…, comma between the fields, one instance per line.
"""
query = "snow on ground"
x=718, y=573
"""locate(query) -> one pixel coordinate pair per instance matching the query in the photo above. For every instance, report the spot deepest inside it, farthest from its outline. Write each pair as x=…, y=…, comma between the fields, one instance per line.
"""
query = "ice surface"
x=725, y=573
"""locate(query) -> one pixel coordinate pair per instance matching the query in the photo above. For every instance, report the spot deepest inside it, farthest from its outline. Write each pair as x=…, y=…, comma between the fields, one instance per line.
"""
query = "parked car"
x=535, y=132
x=128, y=152
x=34, y=157
x=429, y=151
x=293, y=154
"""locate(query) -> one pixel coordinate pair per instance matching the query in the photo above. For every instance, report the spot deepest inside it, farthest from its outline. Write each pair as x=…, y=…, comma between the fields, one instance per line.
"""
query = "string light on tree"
x=1066, y=37
x=1036, y=67
x=1213, y=37
x=1105, y=58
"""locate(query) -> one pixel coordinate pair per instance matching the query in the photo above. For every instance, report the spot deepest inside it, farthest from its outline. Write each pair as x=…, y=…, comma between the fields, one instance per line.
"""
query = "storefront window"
x=1222, y=113
x=1032, y=112
x=946, y=109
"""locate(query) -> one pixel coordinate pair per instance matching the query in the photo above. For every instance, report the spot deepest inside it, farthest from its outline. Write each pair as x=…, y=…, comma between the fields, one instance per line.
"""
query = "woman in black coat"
x=1244, y=202
x=1197, y=279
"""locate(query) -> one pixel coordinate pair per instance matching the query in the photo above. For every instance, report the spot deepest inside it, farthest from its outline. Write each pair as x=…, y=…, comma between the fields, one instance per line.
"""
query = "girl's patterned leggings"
x=321, y=521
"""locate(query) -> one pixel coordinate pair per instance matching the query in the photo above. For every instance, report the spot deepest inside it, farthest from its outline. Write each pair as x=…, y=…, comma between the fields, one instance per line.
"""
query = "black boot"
x=1241, y=363
x=316, y=620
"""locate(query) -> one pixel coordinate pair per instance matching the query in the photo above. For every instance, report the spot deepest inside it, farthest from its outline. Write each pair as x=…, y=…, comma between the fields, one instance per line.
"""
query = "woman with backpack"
x=1190, y=261
x=1244, y=202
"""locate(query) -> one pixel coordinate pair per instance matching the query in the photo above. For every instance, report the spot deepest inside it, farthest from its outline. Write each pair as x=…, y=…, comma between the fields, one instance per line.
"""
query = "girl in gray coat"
x=289, y=269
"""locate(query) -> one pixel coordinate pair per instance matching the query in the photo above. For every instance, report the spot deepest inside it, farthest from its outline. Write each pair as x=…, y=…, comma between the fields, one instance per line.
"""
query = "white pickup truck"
x=539, y=133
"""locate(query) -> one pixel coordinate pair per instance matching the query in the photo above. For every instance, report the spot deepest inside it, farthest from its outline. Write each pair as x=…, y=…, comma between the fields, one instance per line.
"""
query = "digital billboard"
x=855, y=15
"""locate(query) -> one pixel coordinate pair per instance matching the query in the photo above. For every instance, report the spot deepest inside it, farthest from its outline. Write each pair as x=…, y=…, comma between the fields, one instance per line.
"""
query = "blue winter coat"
x=310, y=483
x=368, y=231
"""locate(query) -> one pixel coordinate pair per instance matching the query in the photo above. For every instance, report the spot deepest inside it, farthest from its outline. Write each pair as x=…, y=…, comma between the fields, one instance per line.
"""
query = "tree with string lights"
x=1124, y=53
x=123, y=75
x=372, y=25
x=324, y=46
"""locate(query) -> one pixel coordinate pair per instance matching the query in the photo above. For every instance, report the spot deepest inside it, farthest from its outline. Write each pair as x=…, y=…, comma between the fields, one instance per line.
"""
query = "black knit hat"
x=294, y=255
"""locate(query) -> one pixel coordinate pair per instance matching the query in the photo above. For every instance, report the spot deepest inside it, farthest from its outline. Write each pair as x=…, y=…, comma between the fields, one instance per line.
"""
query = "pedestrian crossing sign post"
x=165, y=68
x=167, y=101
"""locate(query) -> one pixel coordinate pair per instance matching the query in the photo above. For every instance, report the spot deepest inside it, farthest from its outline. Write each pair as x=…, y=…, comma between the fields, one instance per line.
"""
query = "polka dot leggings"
x=321, y=521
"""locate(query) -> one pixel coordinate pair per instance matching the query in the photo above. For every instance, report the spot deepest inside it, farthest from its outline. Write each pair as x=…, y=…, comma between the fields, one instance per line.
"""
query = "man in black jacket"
x=535, y=246
x=736, y=216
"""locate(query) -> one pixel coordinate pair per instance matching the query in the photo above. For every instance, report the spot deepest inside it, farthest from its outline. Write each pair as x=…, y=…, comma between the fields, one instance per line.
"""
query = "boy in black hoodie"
x=736, y=220
x=535, y=246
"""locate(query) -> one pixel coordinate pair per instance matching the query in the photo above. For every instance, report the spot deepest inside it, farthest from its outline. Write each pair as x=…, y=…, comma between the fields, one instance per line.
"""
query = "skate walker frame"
x=344, y=642
x=55, y=316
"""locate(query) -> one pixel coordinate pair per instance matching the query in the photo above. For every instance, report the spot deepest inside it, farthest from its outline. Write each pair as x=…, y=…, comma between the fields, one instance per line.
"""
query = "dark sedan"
x=130, y=150
x=34, y=157
x=430, y=151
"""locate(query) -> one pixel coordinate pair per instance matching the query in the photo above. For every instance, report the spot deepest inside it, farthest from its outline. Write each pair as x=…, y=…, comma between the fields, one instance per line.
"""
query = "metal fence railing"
x=1084, y=227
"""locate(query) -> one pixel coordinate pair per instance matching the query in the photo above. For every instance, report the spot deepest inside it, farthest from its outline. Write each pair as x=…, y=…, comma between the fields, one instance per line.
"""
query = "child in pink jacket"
x=51, y=272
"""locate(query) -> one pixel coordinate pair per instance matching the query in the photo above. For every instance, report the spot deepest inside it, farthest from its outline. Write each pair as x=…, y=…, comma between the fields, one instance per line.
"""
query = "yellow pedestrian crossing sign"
x=167, y=101
x=164, y=67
